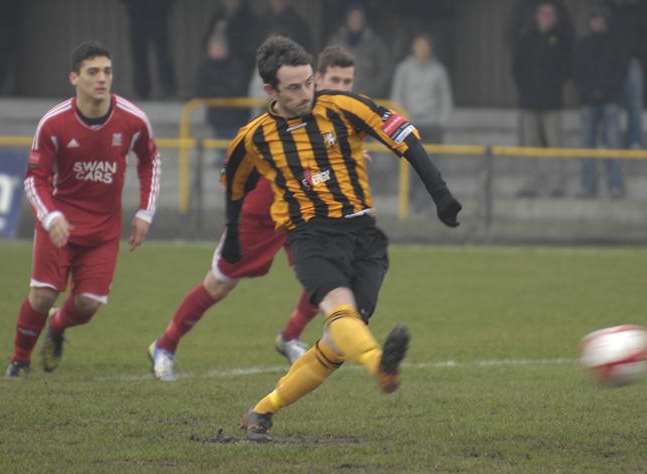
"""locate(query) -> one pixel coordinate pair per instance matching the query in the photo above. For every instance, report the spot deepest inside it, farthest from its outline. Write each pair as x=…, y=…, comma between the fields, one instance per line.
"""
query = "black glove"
x=230, y=250
x=447, y=209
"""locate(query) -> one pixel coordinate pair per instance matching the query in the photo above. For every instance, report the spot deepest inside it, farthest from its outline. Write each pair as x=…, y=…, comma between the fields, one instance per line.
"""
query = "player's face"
x=336, y=78
x=94, y=79
x=295, y=90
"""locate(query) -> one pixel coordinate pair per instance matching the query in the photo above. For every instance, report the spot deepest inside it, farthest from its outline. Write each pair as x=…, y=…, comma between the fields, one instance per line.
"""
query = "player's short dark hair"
x=334, y=56
x=87, y=50
x=277, y=51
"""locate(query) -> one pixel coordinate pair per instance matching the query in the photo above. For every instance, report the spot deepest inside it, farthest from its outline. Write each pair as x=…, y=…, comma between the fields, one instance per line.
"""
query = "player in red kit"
x=260, y=243
x=74, y=183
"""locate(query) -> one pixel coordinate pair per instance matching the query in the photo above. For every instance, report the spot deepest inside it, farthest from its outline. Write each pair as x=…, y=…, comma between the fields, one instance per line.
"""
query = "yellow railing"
x=185, y=144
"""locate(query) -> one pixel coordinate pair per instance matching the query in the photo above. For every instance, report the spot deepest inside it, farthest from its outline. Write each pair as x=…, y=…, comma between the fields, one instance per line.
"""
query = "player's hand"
x=59, y=231
x=138, y=230
x=231, y=247
x=447, y=209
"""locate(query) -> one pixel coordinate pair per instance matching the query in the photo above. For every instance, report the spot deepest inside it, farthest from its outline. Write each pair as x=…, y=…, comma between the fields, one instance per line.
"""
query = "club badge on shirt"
x=116, y=139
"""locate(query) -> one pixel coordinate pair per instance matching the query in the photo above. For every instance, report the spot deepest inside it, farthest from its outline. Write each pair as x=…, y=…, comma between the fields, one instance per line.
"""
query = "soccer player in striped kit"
x=309, y=146
x=74, y=183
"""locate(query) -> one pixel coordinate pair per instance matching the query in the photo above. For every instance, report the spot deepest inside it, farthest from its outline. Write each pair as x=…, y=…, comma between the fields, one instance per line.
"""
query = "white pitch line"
x=244, y=371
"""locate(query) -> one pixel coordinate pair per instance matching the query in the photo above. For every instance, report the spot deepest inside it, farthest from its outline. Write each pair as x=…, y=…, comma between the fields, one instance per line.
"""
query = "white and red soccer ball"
x=616, y=355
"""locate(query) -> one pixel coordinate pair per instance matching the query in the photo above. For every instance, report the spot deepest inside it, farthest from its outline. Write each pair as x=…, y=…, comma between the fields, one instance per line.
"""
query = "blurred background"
x=496, y=74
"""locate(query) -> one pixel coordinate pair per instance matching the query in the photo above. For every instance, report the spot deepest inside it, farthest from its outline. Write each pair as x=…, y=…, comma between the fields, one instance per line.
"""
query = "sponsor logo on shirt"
x=309, y=179
x=95, y=171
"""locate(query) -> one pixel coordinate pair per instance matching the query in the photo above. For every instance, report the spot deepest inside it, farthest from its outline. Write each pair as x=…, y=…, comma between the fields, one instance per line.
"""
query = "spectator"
x=599, y=76
x=372, y=60
x=283, y=20
x=523, y=19
x=149, y=27
x=629, y=26
x=222, y=75
x=421, y=85
x=234, y=20
x=541, y=65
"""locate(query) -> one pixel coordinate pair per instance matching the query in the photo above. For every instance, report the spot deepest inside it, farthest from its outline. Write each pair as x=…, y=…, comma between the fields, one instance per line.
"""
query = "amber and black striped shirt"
x=315, y=162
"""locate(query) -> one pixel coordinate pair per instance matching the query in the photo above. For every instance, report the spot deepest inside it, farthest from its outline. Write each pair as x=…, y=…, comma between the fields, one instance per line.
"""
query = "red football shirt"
x=259, y=201
x=78, y=170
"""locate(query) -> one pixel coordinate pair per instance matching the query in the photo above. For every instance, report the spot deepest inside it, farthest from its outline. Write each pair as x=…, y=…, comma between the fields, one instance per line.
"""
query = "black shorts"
x=334, y=253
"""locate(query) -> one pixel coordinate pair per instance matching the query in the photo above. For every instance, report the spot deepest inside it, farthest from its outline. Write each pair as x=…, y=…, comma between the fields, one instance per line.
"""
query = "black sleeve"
x=426, y=169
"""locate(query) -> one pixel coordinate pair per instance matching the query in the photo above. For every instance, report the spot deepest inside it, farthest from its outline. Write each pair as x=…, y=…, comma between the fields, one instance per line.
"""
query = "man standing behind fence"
x=421, y=85
x=599, y=75
x=541, y=65
x=76, y=174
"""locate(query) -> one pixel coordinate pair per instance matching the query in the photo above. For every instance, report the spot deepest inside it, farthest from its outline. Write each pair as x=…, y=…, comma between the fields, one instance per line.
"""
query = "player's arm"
x=148, y=173
x=39, y=188
x=240, y=177
x=400, y=135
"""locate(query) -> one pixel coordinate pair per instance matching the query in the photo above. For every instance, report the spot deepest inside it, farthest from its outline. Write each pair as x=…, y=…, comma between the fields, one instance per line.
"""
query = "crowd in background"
x=605, y=62
x=403, y=59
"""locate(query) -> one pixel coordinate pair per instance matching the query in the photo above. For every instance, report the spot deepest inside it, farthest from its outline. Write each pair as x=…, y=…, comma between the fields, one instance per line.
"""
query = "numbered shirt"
x=79, y=170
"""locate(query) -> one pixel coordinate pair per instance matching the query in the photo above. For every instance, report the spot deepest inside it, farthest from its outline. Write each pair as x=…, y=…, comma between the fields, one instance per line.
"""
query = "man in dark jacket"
x=599, y=76
x=222, y=75
x=284, y=20
x=541, y=66
x=629, y=26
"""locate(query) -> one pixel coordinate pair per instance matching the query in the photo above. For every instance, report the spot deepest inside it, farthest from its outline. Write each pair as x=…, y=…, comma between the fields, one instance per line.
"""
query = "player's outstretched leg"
x=305, y=375
x=193, y=306
x=353, y=338
x=288, y=342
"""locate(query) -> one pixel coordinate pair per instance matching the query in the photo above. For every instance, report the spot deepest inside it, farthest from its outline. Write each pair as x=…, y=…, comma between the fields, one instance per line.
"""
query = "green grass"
x=99, y=412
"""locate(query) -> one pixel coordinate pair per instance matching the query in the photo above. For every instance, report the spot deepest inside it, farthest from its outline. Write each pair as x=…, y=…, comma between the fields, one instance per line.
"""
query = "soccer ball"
x=617, y=355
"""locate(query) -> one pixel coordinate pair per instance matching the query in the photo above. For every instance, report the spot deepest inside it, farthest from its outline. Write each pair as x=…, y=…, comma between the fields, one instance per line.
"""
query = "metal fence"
x=192, y=199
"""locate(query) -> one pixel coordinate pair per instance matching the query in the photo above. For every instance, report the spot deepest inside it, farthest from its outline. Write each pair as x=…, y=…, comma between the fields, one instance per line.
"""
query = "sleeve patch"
x=396, y=127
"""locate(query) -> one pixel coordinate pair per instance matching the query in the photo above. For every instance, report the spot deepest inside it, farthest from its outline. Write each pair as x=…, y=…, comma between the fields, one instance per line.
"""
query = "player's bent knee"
x=217, y=288
x=42, y=299
x=86, y=306
x=335, y=298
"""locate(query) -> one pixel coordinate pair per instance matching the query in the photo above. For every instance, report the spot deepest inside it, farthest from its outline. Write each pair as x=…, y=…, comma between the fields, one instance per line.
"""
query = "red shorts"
x=91, y=268
x=259, y=243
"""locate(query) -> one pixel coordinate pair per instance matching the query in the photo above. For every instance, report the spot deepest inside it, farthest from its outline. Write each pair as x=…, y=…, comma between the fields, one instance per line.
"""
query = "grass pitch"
x=491, y=382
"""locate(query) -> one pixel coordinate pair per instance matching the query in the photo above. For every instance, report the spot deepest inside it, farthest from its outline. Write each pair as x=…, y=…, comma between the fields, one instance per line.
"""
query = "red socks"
x=67, y=317
x=300, y=317
x=30, y=324
x=195, y=303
